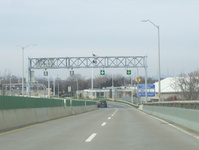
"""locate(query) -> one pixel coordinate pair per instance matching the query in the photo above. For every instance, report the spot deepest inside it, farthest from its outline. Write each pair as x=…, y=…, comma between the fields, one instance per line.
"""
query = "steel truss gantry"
x=87, y=62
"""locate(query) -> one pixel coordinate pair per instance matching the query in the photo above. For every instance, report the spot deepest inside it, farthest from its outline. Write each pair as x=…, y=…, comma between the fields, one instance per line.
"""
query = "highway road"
x=118, y=127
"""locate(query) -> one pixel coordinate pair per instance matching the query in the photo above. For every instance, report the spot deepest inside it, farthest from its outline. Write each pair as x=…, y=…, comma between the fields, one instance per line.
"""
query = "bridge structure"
x=126, y=62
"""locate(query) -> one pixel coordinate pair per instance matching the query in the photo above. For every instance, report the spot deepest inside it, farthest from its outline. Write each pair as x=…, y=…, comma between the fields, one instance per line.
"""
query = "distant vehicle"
x=66, y=95
x=102, y=104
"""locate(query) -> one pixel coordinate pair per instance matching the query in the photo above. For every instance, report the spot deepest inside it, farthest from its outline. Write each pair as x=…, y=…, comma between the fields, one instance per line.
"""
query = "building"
x=169, y=89
x=119, y=93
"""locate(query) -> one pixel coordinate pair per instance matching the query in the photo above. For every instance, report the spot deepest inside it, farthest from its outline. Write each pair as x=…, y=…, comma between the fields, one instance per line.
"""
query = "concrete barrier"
x=14, y=118
x=2, y=122
x=181, y=116
x=24, y=116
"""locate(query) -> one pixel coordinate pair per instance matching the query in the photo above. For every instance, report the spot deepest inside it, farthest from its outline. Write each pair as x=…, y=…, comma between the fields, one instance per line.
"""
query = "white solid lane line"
x=91, y=137
x=103, y=124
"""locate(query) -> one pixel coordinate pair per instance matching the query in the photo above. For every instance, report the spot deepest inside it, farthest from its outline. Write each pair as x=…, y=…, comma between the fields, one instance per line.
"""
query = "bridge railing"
x=14, y=102
x=177, y=104
x=21, y=111
x=183, y=113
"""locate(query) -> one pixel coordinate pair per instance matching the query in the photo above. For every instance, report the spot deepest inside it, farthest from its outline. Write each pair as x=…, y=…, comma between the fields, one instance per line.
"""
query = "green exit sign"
x=128, y=72
x=102, y=72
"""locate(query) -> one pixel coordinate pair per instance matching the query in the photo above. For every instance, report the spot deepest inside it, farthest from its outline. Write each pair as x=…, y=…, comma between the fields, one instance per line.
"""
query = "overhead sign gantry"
x=88, y=62
x=126, y=62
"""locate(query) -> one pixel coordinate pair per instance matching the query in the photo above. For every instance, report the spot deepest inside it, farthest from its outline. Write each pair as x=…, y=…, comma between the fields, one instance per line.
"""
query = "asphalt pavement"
x=118, y=127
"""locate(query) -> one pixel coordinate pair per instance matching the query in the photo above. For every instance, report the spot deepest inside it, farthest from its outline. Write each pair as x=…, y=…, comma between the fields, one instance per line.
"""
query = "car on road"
x=66, y=95
x=102, y=104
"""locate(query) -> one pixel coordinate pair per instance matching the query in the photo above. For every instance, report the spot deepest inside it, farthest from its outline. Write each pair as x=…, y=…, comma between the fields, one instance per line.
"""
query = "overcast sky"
x=66, y=28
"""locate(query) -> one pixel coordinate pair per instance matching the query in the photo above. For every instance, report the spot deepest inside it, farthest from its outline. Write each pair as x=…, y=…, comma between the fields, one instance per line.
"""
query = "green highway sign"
x=102, y=72
x=128, y=72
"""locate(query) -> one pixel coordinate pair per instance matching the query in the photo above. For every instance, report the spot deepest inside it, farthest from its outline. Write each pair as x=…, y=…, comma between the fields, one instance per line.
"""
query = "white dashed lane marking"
x=91, y=137
x=103, y=124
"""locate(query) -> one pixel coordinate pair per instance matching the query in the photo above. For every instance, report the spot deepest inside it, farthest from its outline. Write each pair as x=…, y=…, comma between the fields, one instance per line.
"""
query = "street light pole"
x=113, y=93
x=58, y=85
x=77, y=88
x=22, y=89
x=10, y=85
x=159, y=84
x=23, y=48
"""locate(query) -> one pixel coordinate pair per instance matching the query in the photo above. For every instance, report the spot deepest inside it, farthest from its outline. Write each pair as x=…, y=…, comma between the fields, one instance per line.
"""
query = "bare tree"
x=99, y=81
x=189, y=85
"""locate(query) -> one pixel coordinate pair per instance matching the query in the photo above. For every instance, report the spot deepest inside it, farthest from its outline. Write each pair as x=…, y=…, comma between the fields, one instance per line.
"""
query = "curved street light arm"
x=151, y=23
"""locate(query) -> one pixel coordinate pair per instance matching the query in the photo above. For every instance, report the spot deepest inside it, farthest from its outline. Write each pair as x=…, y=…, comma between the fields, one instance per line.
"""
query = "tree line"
x=99, y=82
x=187, y=84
